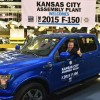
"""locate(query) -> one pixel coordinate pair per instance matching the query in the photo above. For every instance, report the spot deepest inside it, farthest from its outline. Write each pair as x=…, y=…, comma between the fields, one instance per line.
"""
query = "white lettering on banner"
x=58, y=13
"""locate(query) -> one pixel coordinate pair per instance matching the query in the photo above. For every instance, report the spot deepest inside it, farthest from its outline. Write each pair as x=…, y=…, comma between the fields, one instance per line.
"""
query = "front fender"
x=22, y=79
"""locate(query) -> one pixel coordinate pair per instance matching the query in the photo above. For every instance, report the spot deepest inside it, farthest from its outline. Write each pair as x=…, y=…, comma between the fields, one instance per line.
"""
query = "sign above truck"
x=59, y=13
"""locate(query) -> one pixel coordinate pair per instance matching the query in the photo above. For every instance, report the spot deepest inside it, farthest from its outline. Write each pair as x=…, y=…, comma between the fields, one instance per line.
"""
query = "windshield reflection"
x=40, y=46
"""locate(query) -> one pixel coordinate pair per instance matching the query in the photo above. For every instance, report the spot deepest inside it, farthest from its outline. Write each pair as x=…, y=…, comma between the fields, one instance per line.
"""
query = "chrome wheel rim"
x=33, y=94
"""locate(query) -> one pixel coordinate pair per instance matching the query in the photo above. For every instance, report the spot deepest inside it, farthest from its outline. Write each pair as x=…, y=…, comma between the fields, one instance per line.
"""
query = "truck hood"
x=8, y=58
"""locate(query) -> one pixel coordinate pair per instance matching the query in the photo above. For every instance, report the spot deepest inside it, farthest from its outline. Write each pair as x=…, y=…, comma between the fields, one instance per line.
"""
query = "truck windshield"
x=40, y=46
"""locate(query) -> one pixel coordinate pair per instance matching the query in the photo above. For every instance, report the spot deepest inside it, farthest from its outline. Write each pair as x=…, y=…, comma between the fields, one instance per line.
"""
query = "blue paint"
x=24, y=67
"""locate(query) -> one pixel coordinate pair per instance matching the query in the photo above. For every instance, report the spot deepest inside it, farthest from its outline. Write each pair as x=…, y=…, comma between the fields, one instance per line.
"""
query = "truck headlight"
x=3, y=81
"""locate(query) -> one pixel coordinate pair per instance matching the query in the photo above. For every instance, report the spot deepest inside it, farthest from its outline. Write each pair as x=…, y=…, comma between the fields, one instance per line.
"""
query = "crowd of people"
x=95, y=30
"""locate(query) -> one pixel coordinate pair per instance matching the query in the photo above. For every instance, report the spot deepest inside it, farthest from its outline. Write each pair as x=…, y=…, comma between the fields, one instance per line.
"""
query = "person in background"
x=61, y=30
x=94, y=31
x=83, y=45
x=74, y=30
x=83, y=40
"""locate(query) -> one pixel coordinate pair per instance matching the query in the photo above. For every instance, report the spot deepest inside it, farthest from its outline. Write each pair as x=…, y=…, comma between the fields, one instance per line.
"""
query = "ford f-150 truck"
x=44, y=66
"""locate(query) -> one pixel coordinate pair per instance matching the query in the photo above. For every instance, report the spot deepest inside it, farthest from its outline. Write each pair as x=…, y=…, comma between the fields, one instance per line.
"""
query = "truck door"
x=90, y=57
x=66, y=72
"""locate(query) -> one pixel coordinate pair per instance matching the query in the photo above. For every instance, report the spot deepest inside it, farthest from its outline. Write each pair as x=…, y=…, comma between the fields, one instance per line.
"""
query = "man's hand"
x=79, y=52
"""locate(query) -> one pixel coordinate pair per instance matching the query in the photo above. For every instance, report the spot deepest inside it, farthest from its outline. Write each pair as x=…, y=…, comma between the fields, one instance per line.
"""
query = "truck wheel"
x=32, y=91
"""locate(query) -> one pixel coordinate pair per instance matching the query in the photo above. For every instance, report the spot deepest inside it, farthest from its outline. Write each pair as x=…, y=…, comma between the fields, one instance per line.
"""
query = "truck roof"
x=61, y=35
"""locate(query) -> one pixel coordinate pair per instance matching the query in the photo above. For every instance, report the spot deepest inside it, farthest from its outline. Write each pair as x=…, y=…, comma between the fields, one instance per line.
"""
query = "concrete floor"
x=89, y=91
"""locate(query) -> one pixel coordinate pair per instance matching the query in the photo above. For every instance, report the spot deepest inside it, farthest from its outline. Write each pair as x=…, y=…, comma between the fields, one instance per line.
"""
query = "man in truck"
x=72, y=49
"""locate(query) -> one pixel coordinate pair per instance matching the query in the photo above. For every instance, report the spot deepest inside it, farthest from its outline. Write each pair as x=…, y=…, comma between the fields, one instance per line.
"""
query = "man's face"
x=83, y=39
x=70, y=46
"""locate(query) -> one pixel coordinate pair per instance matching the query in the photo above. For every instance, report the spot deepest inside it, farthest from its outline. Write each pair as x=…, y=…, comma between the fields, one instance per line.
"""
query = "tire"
x=31, y=91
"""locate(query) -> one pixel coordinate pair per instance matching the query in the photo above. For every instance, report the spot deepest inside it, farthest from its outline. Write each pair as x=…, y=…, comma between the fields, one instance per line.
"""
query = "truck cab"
x=44, y=66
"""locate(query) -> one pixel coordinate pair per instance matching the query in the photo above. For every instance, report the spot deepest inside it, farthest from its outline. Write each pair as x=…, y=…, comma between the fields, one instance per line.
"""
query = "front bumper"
x=6, y=98
x=6, y=95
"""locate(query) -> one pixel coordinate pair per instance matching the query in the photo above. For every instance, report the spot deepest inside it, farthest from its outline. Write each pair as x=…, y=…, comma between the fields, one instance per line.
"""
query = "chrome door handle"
x=49, y=65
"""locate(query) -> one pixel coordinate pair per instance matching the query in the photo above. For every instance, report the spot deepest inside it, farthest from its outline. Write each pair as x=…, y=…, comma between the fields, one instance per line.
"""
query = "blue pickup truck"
x=44, y=66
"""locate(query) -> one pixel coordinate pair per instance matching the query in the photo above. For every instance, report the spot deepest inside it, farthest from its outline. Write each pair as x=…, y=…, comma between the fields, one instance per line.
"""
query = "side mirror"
x=17, y=47
x=64, y=55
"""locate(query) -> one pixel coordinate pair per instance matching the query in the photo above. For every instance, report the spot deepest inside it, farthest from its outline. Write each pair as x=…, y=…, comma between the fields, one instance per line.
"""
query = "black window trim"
x=88, y=37
x=77, y=37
